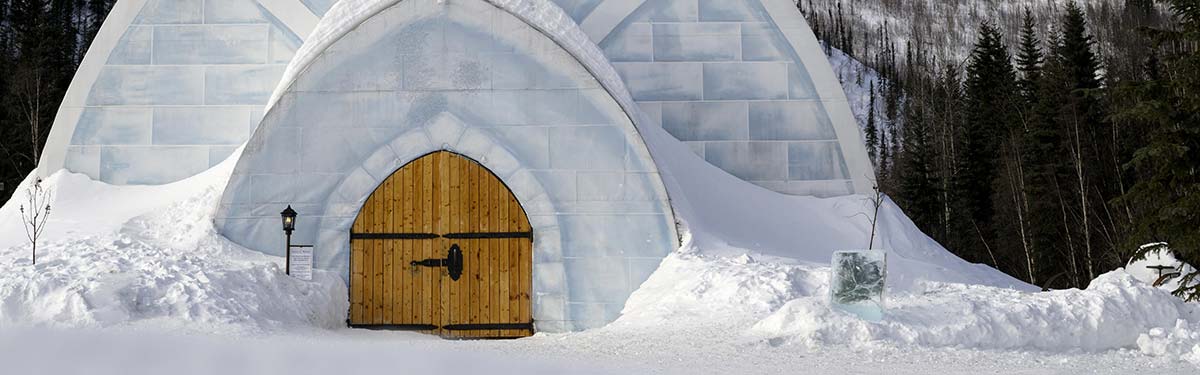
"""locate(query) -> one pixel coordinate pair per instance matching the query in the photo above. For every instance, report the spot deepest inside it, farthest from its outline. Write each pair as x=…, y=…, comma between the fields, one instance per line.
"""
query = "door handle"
x=453, y=262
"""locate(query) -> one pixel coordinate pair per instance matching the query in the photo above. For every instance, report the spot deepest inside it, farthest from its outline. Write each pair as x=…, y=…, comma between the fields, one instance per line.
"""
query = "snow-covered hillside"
x=857, y=80
x=948, y=28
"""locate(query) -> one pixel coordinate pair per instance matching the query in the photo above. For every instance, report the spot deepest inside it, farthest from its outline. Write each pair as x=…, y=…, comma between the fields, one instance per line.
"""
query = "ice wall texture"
x=722, y=76
x=394, y=80
x=183, y=86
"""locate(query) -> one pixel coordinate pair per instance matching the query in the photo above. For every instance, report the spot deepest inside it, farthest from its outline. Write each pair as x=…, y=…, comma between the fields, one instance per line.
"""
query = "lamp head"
x=289, y=219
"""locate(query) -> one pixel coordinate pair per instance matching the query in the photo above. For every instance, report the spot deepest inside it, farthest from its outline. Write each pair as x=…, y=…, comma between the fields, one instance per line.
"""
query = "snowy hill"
x=948, y=28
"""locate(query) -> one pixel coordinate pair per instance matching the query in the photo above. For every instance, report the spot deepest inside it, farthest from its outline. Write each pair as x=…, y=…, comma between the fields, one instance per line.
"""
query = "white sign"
x=302, y=263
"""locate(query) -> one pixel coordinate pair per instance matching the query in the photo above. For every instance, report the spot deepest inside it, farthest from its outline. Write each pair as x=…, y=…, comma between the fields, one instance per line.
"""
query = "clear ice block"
x=857, y=282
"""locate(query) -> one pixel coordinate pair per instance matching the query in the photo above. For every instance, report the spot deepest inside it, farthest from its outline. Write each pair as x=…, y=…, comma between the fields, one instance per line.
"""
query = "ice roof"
x=543, y=15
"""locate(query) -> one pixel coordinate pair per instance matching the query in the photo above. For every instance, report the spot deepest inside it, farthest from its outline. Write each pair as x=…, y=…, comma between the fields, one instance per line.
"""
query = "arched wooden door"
x=442, y=247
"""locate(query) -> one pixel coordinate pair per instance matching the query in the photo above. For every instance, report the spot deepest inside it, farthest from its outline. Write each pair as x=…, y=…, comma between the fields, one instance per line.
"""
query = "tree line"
x=1055, y=160
x=41, y=45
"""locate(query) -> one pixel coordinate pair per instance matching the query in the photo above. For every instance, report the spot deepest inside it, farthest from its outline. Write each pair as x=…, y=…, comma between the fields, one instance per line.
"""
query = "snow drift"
x=165, y=266
x=1111, y=313
x=783, y=303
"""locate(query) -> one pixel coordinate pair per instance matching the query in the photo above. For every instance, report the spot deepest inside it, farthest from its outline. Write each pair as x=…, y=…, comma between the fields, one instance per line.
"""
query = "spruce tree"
x=872, y=130
x=885, y=160
x=1077, y=48
x=1029, y=57
x=1086, y=135
x=917, y=186
x=1167, y=194
x=990, y=88
x=1047, y=166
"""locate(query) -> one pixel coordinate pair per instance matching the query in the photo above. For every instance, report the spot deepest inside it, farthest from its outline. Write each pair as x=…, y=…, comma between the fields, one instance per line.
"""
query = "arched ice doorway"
x=443, y=247
x=520, y=90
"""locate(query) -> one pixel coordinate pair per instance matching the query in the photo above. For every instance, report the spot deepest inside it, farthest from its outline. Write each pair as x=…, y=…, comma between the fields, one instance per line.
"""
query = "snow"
x=149, y=256
x=141, y=352
x=1111, y=313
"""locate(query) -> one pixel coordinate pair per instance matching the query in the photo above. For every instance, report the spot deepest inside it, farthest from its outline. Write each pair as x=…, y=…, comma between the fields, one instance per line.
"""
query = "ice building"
x=473, y=168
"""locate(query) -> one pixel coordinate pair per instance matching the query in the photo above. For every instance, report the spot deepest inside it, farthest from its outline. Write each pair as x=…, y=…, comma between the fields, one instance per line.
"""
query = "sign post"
x=300, y=262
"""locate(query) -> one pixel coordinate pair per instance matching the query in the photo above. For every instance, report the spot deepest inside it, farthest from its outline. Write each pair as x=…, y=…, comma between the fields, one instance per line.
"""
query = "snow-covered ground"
x=134, y=280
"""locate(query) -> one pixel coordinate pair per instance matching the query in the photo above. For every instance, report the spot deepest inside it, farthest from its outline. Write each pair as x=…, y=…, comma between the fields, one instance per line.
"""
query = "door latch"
x=453, y=262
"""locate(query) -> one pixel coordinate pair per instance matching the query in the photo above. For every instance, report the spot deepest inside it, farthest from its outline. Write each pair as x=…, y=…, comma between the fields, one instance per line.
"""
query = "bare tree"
x=34, y=218
x=30, y=91
x=877, y=200
x=1020, y=202
x=1076, y=149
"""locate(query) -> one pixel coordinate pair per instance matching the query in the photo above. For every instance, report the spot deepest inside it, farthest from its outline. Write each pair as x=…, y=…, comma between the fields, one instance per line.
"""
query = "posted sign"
x=302, y=263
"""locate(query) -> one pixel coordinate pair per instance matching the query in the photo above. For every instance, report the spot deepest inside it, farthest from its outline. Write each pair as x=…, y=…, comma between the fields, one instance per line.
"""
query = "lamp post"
x=289, y=225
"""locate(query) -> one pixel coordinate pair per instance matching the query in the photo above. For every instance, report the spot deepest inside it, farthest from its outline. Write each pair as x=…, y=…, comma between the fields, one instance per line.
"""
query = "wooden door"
x=401, y=267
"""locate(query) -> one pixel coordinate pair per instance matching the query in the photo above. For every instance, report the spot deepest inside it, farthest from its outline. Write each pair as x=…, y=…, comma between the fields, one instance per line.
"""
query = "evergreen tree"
x=917, y=186
x=1077, y=49
x=990, y=88
x=885, y=161
x=1029, y=57
x=1046, y=172
x=1167, y=194
x=872, y=130
x=1086, y=135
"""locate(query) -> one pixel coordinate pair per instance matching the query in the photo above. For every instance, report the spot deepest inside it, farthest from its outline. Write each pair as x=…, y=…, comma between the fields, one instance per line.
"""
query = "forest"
x=41, y=45
x=1037, y=147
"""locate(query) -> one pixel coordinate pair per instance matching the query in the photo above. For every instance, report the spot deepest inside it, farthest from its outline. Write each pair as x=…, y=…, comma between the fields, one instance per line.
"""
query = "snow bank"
x=163, y=265
x=694, y=287
x=1181, y=341
x=784, y=303
x=1111, y=313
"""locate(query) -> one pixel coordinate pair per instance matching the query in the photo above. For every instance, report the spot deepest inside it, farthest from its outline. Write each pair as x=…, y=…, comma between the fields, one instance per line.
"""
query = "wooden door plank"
x=380, y=250
x=441, y=182
x=506, y=302
x=526, y=287
x=390, y=252
x=495, y=248
x=462, y=217
x=399, y=248
x=430, y=282
x=416, y=280
x=355, y=282
x=515, y=258
x=524, y=262
x=451, y=219
x=514, y=269
x=367, y=265
x=496, y=197
x=478, y=212
x=410, y=286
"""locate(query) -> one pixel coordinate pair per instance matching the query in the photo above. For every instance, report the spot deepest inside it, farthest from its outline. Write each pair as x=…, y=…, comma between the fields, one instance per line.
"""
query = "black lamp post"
x=289, y=225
